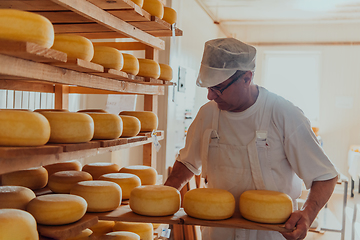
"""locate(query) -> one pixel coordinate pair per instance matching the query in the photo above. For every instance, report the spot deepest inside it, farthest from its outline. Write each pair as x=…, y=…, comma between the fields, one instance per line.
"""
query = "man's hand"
x=300, y=221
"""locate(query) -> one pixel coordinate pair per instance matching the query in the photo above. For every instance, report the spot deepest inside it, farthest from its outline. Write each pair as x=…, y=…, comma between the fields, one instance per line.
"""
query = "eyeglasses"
x=220, y=91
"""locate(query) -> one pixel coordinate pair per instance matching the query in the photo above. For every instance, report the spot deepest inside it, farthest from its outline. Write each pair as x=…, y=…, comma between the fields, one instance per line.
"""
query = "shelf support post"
x=61, y=96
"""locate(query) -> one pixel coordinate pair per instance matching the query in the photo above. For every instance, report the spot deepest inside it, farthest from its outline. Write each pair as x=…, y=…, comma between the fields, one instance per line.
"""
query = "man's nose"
x=211, y=95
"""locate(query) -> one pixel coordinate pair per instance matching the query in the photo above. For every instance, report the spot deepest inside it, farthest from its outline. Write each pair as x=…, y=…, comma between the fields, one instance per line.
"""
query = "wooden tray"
x=80, y=65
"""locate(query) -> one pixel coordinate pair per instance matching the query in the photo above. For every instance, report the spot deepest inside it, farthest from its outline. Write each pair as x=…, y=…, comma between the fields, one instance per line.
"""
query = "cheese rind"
x=15, y=197
x=102, y=227
x=138, y=2
x=74, y=165
x=126, y=181
x=147, y=175
x=106, y=125
x=93, y=110
x=170, y=15
x=33, y=178
x=62, y=182
x=131, y=126
x=165, y=72
x=148, y=68
x=108, y=57
x=144, y=230
x=148, y=120
x=75, y=46
x=154, y=7
x=121, y=235
x=131, y=64
x=99, y=168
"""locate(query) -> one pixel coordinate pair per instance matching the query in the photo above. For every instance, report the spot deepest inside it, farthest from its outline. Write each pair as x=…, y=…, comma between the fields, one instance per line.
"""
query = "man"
x=248, y=138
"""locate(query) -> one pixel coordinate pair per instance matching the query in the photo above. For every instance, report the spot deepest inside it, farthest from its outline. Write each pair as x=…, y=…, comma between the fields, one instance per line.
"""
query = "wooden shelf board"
x=132, y=15
x=64, y=17
x=137, y=139
x=136, y=78
x=158, y=133
x=155, y=23
x=114, y=4
x=165, y=33
x=125, y=46
x=114, y=74
x=71, y=147
x=112, y=142
x=153, y=81
x=80, y=66
x=26, y=86
x=14, y=152
x=34, y=5
x=79, y=28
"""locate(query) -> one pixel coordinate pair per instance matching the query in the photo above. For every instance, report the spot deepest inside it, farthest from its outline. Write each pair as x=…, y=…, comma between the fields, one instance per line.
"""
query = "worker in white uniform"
x=246, y=138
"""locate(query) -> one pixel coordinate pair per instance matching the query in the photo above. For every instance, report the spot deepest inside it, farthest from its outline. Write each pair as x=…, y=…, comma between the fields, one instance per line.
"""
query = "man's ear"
x=247, y=77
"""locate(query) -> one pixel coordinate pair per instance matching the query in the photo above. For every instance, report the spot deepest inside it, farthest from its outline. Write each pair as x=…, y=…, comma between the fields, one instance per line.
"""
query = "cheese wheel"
x=93, y=110
x=15, y=197
x=148, y=68
x=126, y=181
x=101, y=196
x=85, y=234
x=108, y=57
x=69, y=127
x=155, y=200
x=131, y=64
x=121, y=235
x=170, y=15
x=102, y=227
x=63, y=166
x=33, y=178
x=61, y=182
x=57, y=209
x=209, y=203
x=147, y=175
x=265, y=206
x=51, y=110
x=131, y=126
x=106, y=125
x=140, y=3
x=144, y=230
x=154, y=7
x=99, y=168
x=165, y=72
x=148, y=120
x=23, y=128
x=17, y=224
x=75, y=46
x=26, y=26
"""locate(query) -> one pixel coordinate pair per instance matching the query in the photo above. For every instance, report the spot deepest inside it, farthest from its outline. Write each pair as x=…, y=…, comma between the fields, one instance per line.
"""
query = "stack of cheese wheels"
x=108, y=57
x=209, y=203
x=148, y=68
x=33, y=178
x=138, y=2
x=99, y=168
x=85, y=234
x=131, y=126
x=170, y=15
x=148, y=120
x=265, y=206
x=17, y=224
x=23, y=128
x=69, y=127
x=102, y=227
x=62, y=182
x=131, y=64
x=15, y=197
x=74, y=165
x=155, y=200
x=74, y=46
x=101, y=196
x=144, y=230
x=57, y=209
x=26, y=26
x=121, y=235
x=165, y=72
x=93, y=110
x=147, y=175
x=106, y=125
x=154, y=7
x=126, y=181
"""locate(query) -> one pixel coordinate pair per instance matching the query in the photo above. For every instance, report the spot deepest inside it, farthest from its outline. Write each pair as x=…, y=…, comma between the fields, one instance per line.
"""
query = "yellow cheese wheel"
x=131, y=126
x=63, y=166
x=170, y=15
x=154, y=7
x=148, y=120
x=106, y=125
x=17, y=224
x=102, y=227
x=209, y=203
x=26, y=26
x=131, y=64
x=93, y=110
x=155, y=200
x=69, y=127
x=15, y=197
x=57, y=209
x=85, y=234
x=61, y=182
x=121, y=235
x=148, y=68
x=23, y=128
x=51, y=110
x=108, y=57
x=147, y=175
x=144, y=230
x=101, y=196
x=265, y=206
x=33, y=178
x=126, y=181
x=138, y=2
x=75, y=46
x=99, y=168
x=165, y=72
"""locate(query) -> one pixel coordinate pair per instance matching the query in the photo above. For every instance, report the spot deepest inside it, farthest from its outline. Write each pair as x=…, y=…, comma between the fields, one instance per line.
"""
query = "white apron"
x=237, y=169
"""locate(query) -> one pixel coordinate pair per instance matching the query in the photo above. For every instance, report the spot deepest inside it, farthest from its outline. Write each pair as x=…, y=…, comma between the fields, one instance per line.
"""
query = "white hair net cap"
x=222, y=58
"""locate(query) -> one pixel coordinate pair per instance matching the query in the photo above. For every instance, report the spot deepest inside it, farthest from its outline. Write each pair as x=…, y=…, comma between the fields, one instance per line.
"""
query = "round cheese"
x=99, y=168
x=84, y=235
x=61, y=182
x=170, y=15
x=33, y=178
x=23, y=128
x=17, y=224
x=121, y=235
x=101, y=196
x=15, y=197
x=144, y=230
x=265, y=206
x=51, y=110
x=108, y=57
x=102, y=227
x=126, y=181
x=93, y=110
x=131, y=64
x=26, y=26
x=147, y=175
x=69, y=127
x=106, y=125
x=148, y=68
x=165, y=72
x=131, y=126
x=57, y=209
x=154, y=7
x=138, y=2
x=75, y=46
x=155, y=200
x=209, y=203
x=148, y=120
x=63, y=166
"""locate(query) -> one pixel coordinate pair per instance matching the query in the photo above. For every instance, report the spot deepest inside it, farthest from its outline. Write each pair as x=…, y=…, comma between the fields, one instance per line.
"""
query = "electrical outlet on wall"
x=181, y=79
